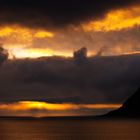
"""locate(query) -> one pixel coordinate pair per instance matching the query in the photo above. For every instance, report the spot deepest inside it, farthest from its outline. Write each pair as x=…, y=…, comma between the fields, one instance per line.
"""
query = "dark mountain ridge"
x=130, y=108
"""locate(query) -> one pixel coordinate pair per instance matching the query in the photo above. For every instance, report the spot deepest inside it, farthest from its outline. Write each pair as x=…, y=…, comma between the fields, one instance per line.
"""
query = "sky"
x=39, y=73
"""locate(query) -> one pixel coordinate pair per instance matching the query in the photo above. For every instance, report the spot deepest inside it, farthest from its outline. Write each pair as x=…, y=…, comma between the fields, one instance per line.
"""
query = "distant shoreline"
x=102, y=117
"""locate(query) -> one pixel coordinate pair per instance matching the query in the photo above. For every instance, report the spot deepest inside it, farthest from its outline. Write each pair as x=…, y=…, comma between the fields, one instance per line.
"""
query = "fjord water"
x=69, y=129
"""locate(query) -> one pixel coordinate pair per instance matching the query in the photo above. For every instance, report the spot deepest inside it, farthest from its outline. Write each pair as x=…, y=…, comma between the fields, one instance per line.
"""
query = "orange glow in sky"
x=19, y=52
x=26, y=32
x=115, y=20
x=31, y=53
x=43, y=34
x=24, y=42
x=29, y=105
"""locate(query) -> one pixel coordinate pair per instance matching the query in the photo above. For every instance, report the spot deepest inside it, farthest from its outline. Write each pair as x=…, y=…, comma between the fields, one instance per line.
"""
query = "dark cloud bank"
x=56, y=13
x=95, y=80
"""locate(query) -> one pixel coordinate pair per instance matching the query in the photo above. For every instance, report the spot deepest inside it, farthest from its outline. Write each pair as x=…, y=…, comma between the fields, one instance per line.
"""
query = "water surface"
x=69, y=129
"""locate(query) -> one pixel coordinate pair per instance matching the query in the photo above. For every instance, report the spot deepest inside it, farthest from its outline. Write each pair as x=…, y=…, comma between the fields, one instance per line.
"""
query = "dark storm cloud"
x=99, y=80
x=56, y=13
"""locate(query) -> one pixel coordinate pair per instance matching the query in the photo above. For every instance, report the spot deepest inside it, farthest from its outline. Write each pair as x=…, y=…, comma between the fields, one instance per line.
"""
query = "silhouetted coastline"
x=130, y=108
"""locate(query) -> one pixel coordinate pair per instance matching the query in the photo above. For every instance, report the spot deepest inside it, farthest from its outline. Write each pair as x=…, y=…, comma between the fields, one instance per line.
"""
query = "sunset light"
x=30, y=105
x=25, y=42
x=68, y=57
x=116, y=20
x=69, y=69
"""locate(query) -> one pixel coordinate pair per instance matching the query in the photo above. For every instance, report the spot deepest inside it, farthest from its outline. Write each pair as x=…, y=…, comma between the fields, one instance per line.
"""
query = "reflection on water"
x=69, y=130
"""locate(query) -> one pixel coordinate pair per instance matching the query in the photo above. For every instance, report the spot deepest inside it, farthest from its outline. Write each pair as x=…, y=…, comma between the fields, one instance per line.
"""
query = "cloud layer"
x=96, y=80
x=52, y=13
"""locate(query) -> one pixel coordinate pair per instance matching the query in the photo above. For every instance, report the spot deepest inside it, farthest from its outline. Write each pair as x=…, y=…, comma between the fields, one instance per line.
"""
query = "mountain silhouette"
x=130, y=108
